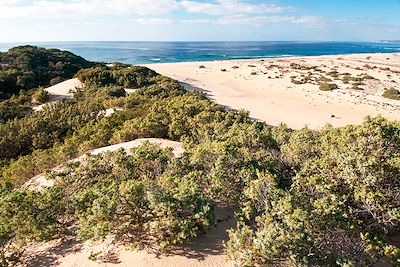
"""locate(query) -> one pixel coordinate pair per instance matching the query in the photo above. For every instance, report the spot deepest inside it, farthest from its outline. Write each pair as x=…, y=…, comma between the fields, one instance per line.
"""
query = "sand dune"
x=265, y=88
x=63, y=91
x=40, y=182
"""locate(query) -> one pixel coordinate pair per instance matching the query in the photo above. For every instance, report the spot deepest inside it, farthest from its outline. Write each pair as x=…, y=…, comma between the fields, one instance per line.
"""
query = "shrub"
x=356, y=86
x=116, y=91
x=56, y=80
x=128, y=77
x=311, y=219
x=134, y=196
x=328, y=86
x=26, y=217
x=368, y=77
x=392, y=93
x=41, y=96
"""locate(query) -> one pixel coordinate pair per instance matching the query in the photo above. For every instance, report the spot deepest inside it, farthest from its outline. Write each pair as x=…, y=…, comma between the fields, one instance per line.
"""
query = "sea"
x=171, y=52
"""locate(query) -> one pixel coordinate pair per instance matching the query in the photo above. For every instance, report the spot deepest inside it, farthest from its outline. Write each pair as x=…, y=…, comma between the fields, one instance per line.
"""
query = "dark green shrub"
x=116, y=91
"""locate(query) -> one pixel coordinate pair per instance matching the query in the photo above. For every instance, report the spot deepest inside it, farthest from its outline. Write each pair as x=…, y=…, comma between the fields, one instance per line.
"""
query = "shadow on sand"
x=52, y=256
x=210, y=243
x=199, y=248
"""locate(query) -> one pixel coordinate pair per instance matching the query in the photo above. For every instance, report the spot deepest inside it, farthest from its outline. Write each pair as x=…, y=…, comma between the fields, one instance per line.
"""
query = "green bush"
x=328, y=86
x=133, y=196
x=41, y=96
x=340, y=205
x=128, y=77
x=26, y=217
x=15, y=108
x=392, y=94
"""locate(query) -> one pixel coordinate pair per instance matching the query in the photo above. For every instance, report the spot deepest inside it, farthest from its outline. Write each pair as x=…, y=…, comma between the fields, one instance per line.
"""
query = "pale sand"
x=64, y=88
x=61, y=91
x=276, y=99
x=64, y=91
x=40, y=182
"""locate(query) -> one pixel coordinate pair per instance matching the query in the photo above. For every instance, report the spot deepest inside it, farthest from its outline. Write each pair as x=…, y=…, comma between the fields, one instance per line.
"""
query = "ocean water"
x=168, y=52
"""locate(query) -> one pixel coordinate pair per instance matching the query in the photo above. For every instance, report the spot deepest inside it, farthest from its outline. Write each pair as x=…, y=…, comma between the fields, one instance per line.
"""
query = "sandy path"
x=271, y=96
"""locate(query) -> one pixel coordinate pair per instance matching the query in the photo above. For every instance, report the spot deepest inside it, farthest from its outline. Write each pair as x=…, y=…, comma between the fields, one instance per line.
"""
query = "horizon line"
x=203, y=41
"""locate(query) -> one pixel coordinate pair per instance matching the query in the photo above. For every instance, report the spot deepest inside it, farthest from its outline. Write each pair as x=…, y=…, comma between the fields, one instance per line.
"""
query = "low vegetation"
x=29, y=67
x=328, y=86
x=392, y=93
x=119, y=75
x=41, y=96
x=339, y=208
x=326, y=198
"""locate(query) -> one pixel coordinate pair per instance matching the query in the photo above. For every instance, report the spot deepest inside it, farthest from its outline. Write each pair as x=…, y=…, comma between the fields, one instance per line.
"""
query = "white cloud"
x=309, y=20
x=252, y=20
x=154, y=21
x=196, y=21
x=259, y=20
x=73, y=8
x=228, y=7
x=220, y=12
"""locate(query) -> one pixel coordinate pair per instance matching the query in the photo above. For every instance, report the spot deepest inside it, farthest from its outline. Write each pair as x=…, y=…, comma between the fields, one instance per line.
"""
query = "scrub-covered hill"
x=29, y=67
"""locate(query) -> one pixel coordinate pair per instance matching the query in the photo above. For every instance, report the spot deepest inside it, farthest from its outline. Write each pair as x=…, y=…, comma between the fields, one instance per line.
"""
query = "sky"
x=199, y=20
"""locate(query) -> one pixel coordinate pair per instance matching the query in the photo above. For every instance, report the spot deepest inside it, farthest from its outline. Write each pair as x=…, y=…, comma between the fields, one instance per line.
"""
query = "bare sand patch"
x=265, y=88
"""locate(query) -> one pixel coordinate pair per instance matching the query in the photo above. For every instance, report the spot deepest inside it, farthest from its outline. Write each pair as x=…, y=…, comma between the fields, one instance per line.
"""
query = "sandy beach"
x=286, y=90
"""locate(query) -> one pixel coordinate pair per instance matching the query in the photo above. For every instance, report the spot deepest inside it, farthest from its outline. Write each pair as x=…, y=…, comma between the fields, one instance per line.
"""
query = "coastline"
x=272, y=97
x=269, y=58
x=174, y=52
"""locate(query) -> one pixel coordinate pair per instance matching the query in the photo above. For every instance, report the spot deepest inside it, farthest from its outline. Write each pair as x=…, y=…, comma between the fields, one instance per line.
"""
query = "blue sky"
x=198, y=20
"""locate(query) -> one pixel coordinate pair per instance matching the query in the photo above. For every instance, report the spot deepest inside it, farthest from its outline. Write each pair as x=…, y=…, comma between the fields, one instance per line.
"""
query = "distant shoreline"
x=334, y=56
x=140, y=53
